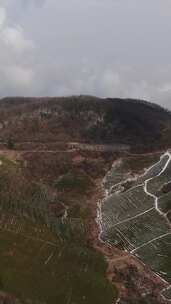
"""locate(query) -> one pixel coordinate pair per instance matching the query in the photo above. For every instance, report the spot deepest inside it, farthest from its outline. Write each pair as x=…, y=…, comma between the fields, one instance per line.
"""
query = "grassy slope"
x=75, y=273
x=67, y=271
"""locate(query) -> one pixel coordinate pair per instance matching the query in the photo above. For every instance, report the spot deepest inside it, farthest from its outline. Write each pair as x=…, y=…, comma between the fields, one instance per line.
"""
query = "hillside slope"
x=142, y=125
x=56, y=155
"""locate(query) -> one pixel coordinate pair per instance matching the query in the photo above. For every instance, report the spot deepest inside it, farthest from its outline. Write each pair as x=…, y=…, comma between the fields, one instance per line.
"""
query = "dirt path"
x=116, y=257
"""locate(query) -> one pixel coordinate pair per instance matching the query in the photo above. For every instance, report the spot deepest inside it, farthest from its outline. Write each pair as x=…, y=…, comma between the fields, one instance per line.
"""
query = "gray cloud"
x=38, y=3
x=105, y=48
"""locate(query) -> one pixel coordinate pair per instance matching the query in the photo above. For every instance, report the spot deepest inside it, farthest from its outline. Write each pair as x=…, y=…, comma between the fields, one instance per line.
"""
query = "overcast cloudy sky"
x=99, y=47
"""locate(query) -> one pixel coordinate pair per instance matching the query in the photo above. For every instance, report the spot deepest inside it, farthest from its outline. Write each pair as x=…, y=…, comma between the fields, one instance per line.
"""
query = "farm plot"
x=164, y=203
x=157, y=254
x=122, y=171
x=155, y=169
x=132, y=219
x=155, y=185
x=137, y=231
x=124, y=206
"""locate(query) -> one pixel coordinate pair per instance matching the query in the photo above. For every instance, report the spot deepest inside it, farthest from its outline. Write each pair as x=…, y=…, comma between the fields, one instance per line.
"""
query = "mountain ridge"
x=87, y=119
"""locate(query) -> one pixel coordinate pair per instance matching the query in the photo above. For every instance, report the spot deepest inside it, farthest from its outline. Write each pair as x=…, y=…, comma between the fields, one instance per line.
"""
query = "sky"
x=107, y=48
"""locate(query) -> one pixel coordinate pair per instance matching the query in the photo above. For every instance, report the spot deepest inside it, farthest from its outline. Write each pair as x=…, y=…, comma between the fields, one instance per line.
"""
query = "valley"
x=84, y=201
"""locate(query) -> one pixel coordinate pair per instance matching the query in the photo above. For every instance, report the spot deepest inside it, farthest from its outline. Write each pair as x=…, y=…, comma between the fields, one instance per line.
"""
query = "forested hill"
x=142, y=125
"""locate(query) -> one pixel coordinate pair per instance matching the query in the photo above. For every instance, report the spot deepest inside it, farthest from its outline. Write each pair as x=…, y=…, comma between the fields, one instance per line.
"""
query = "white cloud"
x=104, y=48
x=38, y=3
x=2, y=16
x=16, y=75
x=166, y=88
x=19, y=76
x=110, y=82
x=14, y=37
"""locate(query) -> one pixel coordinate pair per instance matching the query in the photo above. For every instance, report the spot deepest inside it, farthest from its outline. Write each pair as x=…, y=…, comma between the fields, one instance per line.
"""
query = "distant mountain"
x=142, y=125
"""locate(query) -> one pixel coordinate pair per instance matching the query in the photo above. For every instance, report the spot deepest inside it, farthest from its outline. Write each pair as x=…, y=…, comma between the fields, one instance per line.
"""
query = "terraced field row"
x=136, y=219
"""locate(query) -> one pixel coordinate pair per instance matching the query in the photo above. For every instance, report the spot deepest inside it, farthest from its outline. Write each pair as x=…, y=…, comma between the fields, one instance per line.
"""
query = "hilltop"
x=86, y=119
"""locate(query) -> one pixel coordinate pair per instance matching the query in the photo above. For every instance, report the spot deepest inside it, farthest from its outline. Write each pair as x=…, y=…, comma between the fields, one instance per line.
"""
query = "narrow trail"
x=145, y=154
x=156, y=199
x=134, y=217
x=108, y=193
x=99, y=218
x=151, y=241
